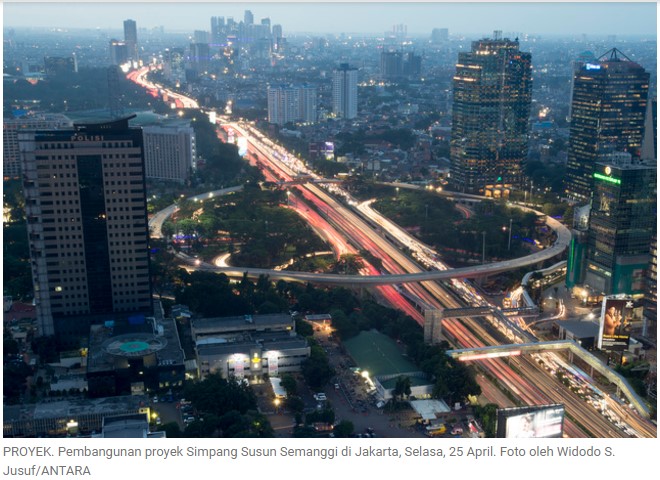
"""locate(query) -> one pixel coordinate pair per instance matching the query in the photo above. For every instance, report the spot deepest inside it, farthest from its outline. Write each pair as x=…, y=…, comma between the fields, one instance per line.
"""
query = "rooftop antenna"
x=615, y=55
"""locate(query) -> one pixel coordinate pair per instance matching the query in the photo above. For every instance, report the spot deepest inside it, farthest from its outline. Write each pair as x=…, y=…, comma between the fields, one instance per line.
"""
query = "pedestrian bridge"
x=596, y=364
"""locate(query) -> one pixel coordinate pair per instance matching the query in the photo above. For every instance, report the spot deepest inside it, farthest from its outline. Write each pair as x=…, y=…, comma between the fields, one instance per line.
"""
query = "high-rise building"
x=248, y=17
x=395, y=65
x=265, y=23
x=118, y=52
x=169, y=152
x=608, y=110
x=131, y=39
x=218, y=35
x=412, y=65
x=650, y=140
x=440, y=35
x=308, y=103
x=577, y=64
x=174, y=65
x=651, y=291
x=86, y=211
x=492, y=101
x=11, y=127
x=200, y=58
x=292, y=103
x=344, y=91
x=621, y=225
x=391, y=64
x=277, y=31
x=201, y=36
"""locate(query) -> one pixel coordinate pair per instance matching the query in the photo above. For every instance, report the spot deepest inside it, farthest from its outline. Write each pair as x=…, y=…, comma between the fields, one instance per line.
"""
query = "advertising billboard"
x=540, y=421
x=242, y=143
x=616, y=319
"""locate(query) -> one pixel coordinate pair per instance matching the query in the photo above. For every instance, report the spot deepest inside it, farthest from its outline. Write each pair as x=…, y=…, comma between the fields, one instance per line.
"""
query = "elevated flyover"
x=560, y=245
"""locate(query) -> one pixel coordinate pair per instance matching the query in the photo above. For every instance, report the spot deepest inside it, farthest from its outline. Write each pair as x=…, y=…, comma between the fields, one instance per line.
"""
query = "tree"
x=344, y=429
x=316, y=369
x=295, y=404
x=402, y=387
x=217, y=396
x=289, y=384
x=487, y=415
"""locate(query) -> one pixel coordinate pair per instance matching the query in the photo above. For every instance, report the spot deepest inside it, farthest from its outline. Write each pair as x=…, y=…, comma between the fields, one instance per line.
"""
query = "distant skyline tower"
x=344, y=91
x=391, y=64
x=277, y=31
x=131, y=39
x=217, y=30
x=490, y=117
x=440, y=35
x=608, y=110
x=86, y=211
x=265, y=22
x=201, y=36
x=248, y=18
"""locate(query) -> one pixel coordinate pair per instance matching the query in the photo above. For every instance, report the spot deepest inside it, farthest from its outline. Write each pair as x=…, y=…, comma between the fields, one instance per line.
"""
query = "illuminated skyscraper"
x=621, y=225
x=85, y=204
x=344, y=92
x=492, y=100
x=607, y=116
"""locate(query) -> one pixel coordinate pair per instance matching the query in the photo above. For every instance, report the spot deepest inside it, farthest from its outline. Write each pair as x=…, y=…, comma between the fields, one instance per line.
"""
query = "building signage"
x=86, y=138
x=613, y=180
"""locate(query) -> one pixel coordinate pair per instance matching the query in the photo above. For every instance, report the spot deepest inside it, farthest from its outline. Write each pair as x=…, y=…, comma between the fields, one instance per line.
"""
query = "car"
x=457, y=431
x=337, y=386
x=320, y=397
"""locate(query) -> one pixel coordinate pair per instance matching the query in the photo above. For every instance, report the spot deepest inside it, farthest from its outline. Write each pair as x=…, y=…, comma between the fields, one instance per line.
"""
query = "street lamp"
x=397, y=193
x=277, y=405
x=510, y=228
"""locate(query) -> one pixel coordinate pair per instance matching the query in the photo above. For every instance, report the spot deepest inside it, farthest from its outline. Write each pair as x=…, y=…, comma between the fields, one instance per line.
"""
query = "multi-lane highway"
x=527, y=382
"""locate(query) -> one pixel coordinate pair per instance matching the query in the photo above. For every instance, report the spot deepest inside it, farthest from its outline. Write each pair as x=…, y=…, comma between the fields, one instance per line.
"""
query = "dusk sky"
x=350, y=17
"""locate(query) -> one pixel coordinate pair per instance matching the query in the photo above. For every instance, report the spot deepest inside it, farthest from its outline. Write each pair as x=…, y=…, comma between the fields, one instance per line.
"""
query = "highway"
x=535, y=388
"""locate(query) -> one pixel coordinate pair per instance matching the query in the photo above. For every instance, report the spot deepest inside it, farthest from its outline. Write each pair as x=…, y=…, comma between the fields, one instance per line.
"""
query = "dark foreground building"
x=87, y=224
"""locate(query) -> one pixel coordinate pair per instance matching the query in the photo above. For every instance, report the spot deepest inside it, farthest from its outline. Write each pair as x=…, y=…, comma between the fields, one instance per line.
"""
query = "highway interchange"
x=350, y=227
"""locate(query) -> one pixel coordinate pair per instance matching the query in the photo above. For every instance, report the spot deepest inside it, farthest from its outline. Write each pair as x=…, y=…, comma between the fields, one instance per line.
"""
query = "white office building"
x=169, y=152
x=344, y=92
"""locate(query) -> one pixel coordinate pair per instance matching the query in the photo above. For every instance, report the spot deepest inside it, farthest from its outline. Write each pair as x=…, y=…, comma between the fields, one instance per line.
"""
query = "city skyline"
x=635, y=19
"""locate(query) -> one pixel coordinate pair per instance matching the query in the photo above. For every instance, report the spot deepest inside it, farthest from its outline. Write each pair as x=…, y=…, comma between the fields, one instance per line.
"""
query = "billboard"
x=616, y=319
x=242, y=143
x=539, y=421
